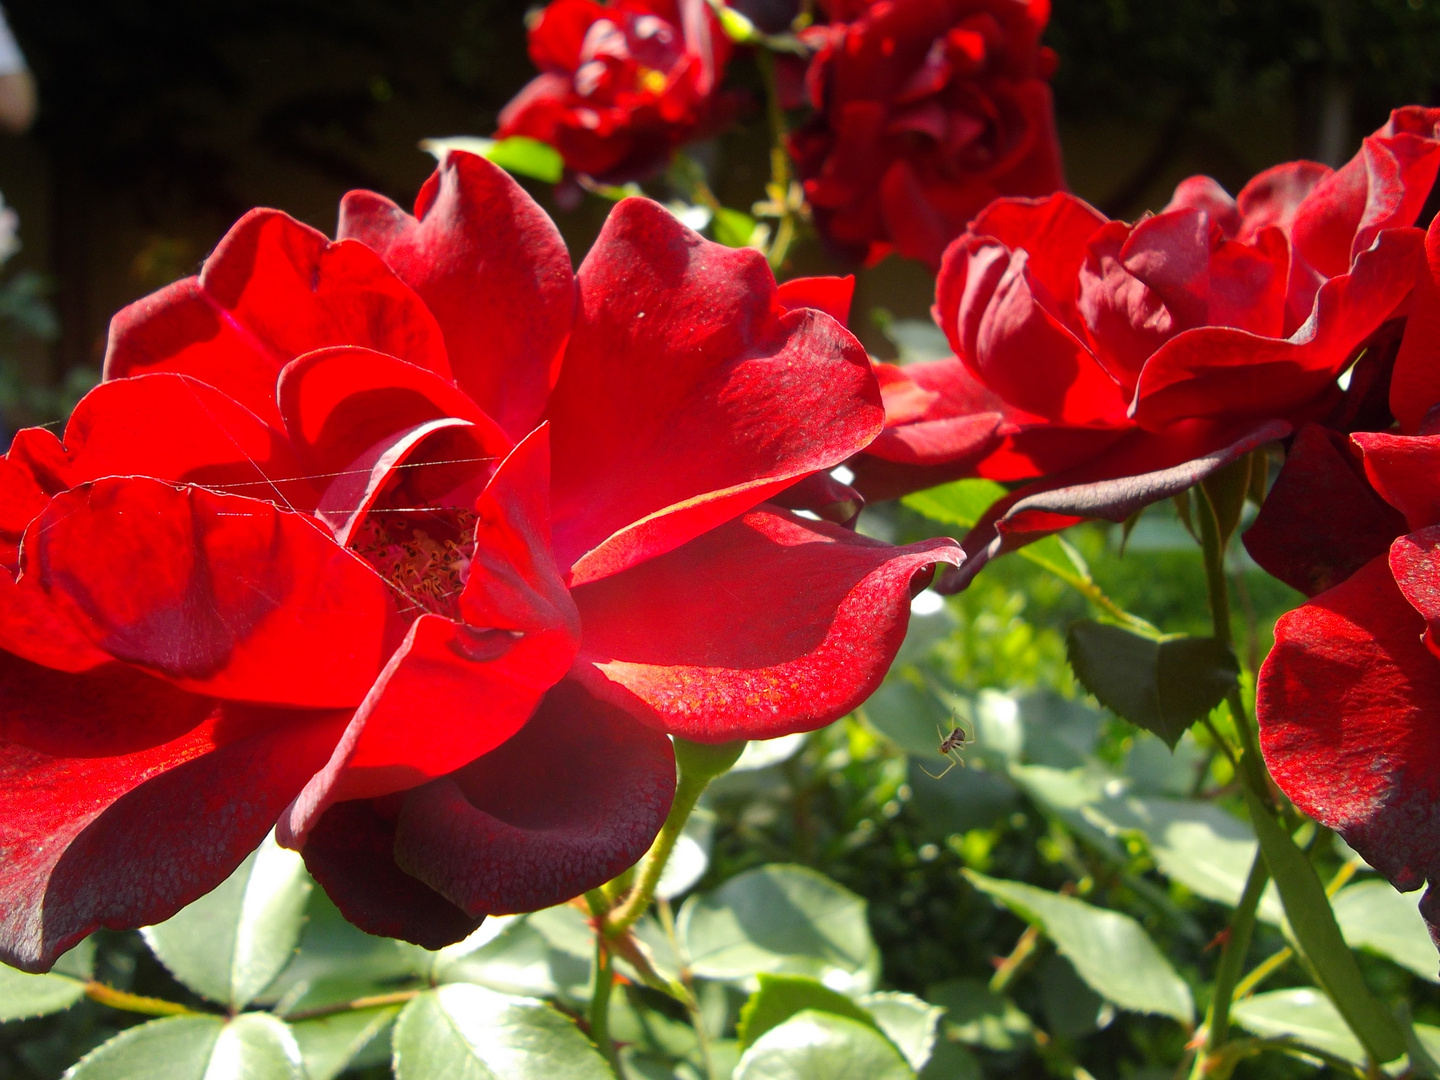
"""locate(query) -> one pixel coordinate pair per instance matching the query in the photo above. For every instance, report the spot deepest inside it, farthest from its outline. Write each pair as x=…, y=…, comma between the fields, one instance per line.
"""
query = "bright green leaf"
x=733, y=228
x=23, y=995
x=778, y=919
x=465, y=1032
x=233, y=941
x=1302, y=1014
x=961, y=503
x=910, y=1023
x=1161, y=686
x=782, y=996
x=816, y=1045
x=1373, y=916
x=252, y=1046
x=517, y=154
x=329, y=1043
x=1110, y=951
x=1313, y=923
x=976, y=1015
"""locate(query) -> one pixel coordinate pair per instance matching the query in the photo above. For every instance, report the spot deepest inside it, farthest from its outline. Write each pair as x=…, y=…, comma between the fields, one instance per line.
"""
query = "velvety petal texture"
x=384, y=543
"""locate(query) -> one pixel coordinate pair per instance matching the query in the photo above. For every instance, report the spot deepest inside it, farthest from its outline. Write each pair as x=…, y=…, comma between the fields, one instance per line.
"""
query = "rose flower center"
x=424, y=556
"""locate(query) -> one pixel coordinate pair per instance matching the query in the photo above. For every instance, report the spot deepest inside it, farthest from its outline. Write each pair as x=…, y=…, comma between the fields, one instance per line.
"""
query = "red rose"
x=926, y=110
x=622, y=85
x=1349, y=698
x=1123, y=363
x=421, y=544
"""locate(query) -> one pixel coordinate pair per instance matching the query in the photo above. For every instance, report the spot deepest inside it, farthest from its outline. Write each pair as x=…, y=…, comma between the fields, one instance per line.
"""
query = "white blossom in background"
x=9, y=231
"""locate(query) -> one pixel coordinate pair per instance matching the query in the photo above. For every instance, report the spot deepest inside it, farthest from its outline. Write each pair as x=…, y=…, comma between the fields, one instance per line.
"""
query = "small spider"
x=950, y=747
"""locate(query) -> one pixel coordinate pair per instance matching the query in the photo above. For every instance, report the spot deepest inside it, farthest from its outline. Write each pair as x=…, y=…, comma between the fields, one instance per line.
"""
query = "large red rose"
x=421, y=544
x=926, y=110
x=1122, y=363
x=1349, y=698
x=621, y=85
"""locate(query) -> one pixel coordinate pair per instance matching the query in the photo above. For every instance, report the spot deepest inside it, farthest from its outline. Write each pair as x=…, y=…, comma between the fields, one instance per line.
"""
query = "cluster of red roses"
x=923, y=110
x=416, y=545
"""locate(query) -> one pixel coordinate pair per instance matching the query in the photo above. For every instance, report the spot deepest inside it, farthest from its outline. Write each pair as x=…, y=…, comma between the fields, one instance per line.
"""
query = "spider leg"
x=942, y=773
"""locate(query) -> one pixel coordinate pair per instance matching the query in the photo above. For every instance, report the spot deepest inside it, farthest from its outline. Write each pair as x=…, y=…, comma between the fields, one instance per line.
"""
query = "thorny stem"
x=600, y=1003
x=697, y=765
x=1019, y=958
x=1092, y=592
x=1232, y=960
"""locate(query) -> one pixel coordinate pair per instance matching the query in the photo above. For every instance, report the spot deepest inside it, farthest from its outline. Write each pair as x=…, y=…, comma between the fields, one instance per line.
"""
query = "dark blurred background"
x=161, y=121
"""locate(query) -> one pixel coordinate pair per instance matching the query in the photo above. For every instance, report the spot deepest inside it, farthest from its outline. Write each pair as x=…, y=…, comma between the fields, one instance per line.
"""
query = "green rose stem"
x=780, y=180
x=696, y=765
x=146, y=1006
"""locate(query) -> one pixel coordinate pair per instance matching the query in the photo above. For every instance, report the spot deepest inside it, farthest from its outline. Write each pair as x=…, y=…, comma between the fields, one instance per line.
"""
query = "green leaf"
x=1110, y=951
x=231, y=943
x=976, y=1015
x=23, y=995
x=951, y=1061
x=465, y=1032
x=782, y=996
x=911, y=1024
x=517, y=154
x=1198, y=844
x=252, y=1046
x=1227, y=489
x=1071, y=1008
x=329, y=1043
x=733, y=228
x=1313, y=923
x=1302, y=1014
x=961, y=503
x=1374, y=916
x=780, y=919
x=816, y=1045
x=1161, y=686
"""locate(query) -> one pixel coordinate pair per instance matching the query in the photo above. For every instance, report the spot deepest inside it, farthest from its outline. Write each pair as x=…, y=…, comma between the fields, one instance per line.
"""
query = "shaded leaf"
x=23, y=995
x=976, y=1015
x=466, y=1032
x=822, y=1046
x=328, y=1044
x=1373, y=916
x=1313, y=923
x=1071, y=1008
x=780, y=919
x=232, y=942
x=1110, y=951
x=951, y=1061
x=1161, y=686
x=1302, y=1014
x=252, y=1046
x=782, y=996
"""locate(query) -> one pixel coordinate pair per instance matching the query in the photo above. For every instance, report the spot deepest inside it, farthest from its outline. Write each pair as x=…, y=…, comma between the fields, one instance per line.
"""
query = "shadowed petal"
x=767, y=625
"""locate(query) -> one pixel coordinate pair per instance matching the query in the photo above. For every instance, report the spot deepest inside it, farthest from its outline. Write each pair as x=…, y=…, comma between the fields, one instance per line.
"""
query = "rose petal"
x=832, y=295
x=351, y=854
x=235, y=598
x=823, y=612
x=1347, y=711
x=1321, y=521
x=1415, y=384
x=688, y=394
x=272, y=290
x=1138, y=470
x=576, y=797
x=1274, y=196
x=1402, y=469
x=1205, y=194
x=1414, y=562
x=128, y=838
x=493, y=269
x=1220, y=372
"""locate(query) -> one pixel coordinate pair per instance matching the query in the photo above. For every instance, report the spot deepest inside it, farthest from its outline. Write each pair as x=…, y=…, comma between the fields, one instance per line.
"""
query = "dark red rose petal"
x=1415, y=384
x=272, y=290
x=1347, y=704
x=351, y=854
x=493, y=269
x=1321, y=521
x=128, y=838
x=220, y=594
x=1225, y=373
x=1403, y=471
x=573, y=799
x=767, y=625
x=688, y=393
x=1416, y=566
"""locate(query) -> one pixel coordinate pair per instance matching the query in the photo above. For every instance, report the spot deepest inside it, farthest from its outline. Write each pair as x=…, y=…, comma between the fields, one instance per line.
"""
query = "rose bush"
x=1120, y=363
x=421, y=544
x=622, y=85
x=925, y=111
x=1347, y=701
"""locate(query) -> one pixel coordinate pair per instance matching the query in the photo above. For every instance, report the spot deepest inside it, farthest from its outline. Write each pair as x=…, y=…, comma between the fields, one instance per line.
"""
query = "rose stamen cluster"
x=428, y=572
